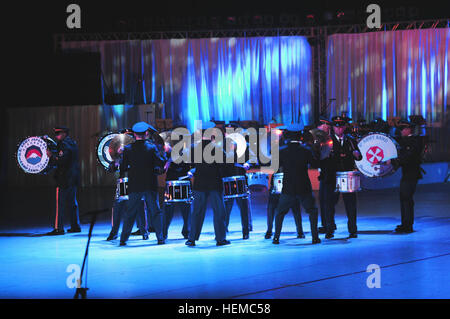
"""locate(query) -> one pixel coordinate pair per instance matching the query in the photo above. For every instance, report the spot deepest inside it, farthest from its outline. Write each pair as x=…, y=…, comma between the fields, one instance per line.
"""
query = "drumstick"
x=183, y=177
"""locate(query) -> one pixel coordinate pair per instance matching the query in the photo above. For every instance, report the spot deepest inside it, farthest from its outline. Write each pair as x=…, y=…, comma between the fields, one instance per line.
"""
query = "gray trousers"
x=199, y=211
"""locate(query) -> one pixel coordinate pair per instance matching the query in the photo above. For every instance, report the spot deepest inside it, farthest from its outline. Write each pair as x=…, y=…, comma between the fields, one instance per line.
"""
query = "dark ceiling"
x=29, y=26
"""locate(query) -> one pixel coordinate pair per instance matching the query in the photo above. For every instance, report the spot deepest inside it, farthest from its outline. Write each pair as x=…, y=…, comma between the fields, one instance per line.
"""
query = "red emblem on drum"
x=375, y=155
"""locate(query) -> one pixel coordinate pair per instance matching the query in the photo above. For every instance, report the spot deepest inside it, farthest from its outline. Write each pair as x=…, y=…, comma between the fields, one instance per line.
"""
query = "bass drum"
x=376, y=149
x=32, y=154
x=102, y=149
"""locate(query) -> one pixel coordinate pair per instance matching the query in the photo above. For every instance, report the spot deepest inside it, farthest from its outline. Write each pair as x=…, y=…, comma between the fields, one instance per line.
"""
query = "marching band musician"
x=243, y=203
x=294, y=160
x=208, y=185
x=67, y=176
x=120, y=203
x=324, y=192
x=343, y=155
x=175, y=171
x=274, y=198
x=143, y=162
x=409, y=159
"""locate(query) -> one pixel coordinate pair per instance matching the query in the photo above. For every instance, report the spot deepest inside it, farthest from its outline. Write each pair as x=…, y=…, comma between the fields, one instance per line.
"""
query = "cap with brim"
x=404, y=124
x=208, y=125
x=295, y=127
x=140, y=127
x=339, y=121
x=59, y=129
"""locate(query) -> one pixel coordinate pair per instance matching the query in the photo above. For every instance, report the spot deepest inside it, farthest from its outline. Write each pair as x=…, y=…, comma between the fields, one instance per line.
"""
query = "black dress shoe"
x=245, y=236
x=329, y=235
x=276, y=240
x=353, y=235
x=302, y=235
x=223, y=242
x=190, y=243
x=404, y=230
x=316, y=240
x=161, y=242
x=122, y=243
x=56, y=232
x=268, y=235
x=322, y=230
x=111, y=237
x=74, y=230
x=136, y=233
x=144, y=237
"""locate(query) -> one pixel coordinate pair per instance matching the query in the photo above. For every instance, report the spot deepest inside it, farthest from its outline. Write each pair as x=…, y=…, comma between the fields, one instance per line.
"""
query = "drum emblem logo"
x=33, y=155
x=374, y=155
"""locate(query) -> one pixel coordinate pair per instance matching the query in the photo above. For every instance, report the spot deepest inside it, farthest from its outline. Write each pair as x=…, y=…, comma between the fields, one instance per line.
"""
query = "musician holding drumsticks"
x=67, y=176
x=410, y=158
x=143, y=161
x=176, y=171
x=342, y=159
x=295, y=158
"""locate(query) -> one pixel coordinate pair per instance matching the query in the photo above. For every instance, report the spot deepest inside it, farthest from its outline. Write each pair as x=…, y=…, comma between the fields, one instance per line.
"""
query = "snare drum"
x=235, y=187
x=348, y=182
x=122, y=188
x=178, y=192
x=277, y=183
x=257, y=178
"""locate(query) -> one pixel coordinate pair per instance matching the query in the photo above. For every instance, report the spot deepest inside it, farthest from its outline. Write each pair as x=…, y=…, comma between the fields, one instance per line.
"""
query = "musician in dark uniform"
x=325, y=189
x=67, y=176
x=208, y=185
x=144, y=162
x=173, y=172
x=274, y=198
x=343, y=156
x=236, y=169
x=409, y=159
x=295, y=158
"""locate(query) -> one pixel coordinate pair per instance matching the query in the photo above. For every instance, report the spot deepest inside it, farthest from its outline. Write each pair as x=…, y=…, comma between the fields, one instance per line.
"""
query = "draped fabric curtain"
x=390, y=74
x=257, y=78
x=394, y=74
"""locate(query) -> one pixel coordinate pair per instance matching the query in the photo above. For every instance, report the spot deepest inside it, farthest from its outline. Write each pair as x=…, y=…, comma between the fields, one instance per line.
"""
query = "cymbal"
x=117, y=142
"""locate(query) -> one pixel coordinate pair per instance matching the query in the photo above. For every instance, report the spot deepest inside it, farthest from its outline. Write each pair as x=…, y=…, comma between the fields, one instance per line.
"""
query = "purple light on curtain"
x=396, y=73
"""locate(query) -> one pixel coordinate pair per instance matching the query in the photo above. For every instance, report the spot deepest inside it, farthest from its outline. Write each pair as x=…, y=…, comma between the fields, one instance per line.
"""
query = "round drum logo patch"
x=32, y=155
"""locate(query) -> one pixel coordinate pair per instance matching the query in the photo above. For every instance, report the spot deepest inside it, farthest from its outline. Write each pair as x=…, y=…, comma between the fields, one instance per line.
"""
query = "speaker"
x=76, y=79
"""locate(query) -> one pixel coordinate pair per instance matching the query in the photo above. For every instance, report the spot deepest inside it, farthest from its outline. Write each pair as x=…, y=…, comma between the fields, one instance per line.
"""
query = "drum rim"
x=98, y=144
x=17, y=152
x=233, y=178
x=175, y=183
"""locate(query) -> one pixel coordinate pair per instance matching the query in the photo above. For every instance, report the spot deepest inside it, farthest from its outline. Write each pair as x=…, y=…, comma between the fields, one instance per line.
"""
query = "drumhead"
x=32, y=155
x=102, y=150
x=376, y=148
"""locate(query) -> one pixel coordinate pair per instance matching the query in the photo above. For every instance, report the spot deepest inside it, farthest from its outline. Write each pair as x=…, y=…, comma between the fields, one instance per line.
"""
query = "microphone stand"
x=81, y=292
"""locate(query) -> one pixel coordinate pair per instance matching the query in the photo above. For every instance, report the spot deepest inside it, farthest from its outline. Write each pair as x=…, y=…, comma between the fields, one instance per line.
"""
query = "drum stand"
x=81, y=292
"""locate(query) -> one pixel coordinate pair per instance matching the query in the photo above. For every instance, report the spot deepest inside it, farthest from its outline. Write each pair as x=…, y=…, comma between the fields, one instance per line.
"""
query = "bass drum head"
x=32, y=155
x=102, y=150
x=376, y=149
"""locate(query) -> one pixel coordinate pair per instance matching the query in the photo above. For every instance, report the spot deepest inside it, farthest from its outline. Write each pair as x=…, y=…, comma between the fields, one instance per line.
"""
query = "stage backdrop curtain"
x=392, y=74
x=256, y=78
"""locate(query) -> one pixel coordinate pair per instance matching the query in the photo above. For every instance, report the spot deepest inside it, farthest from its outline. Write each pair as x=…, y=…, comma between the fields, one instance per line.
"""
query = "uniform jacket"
x=143, y=162
x=295, y=159
x=67, y=173
x=410, y=157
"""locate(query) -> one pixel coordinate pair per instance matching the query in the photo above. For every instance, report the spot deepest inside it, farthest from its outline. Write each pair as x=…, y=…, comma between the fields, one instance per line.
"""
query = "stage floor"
x=411, y=266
